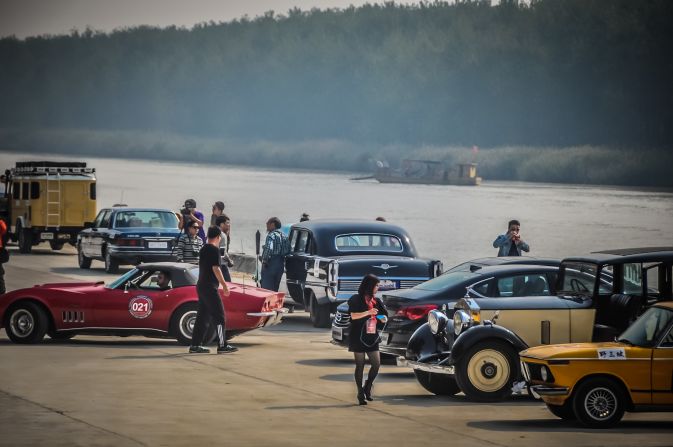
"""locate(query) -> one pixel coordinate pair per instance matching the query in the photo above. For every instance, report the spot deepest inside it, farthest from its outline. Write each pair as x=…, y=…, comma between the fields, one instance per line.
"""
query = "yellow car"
x=596, y=382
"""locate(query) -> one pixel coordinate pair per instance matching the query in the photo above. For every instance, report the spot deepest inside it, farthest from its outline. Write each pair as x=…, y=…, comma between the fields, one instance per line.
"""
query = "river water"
x=451, y=223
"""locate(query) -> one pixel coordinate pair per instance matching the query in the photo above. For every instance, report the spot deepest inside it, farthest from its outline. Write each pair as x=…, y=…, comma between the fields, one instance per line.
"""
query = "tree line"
x=543, y=73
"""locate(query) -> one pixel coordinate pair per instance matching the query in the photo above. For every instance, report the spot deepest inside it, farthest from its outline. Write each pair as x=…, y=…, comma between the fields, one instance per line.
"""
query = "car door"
x=134, y=305
x=86, y=236
x=99, y=234
x=297, y=263
x=662, y=371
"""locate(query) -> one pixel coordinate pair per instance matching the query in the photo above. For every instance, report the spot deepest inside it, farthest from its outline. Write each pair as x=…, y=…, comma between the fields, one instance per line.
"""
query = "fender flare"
x=476, y=334
x=422, y=344
x=20, y=220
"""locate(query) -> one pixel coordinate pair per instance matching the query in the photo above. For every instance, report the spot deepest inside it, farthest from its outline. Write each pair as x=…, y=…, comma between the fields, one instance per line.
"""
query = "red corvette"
x=133, y=304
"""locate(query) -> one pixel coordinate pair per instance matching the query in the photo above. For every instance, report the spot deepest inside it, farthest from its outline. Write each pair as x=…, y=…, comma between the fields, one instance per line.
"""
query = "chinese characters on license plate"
x=385, y=337
x=157, y=245
x=337, y=333
x=387, y=284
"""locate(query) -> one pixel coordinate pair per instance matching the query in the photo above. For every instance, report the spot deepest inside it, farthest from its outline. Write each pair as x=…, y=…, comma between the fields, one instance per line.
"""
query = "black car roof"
x=349, y=225
x=626, y=255
x=505, y=260
x=168, y=266
x=509, y=268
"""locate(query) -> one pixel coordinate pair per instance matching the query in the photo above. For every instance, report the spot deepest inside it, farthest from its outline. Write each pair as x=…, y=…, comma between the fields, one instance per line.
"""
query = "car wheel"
x=439, y=384
x=111, y=264
x=26, y=323
x=25, y=239
x=564, y=411
x=599, y=403
x=487, y=370
x=55, y=245
x=60, y=335
x=82, y=259
x=319, y=313
x=182, y=325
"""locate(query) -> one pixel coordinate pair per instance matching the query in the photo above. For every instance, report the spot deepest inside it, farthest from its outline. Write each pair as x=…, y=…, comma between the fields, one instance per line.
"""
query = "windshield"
x=122, y=279
x=373, y=242
x=648, y=328
x=145, y=219
x=448, y=280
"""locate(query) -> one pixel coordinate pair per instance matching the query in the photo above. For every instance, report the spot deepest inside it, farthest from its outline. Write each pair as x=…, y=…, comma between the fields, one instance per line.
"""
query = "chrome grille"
x=409, y=283
x=342, y=319
x=349, y=284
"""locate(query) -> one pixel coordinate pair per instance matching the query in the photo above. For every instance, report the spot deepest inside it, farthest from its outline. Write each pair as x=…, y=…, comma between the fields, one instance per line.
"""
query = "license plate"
x=47, y=236
x=387, y=284
x=385, y=337
x=157, y=245
x=337, y=333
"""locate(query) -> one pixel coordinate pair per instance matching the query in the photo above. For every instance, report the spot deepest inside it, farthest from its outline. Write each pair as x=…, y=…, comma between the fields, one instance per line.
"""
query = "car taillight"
x=415, y=312
x=129, y=242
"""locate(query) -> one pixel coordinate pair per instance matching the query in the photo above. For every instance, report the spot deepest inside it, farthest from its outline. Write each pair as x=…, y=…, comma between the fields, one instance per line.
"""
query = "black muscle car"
x=328, y=259
x=121, y=235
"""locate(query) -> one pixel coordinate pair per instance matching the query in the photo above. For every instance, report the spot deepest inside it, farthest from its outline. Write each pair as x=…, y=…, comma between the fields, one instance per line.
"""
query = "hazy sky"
x=24, y=18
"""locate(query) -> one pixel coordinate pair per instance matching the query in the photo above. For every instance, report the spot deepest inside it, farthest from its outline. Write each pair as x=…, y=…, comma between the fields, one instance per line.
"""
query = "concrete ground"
x=286, y=386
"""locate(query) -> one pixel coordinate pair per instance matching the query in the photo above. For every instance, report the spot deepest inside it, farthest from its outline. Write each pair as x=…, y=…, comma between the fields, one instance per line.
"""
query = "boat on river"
x=427, y=172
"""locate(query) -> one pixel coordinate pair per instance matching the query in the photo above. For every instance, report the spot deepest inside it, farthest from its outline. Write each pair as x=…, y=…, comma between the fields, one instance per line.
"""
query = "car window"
x=482, y=289
x=579, y=278
x=632, y=279
x=151, y=281
x=522, y=285
x=145, y=219
x=105, y=220
x=448, y=280
x=667, y=342
x=99, y=218
x=303, y=242
x=294, y=235
x=371, y=241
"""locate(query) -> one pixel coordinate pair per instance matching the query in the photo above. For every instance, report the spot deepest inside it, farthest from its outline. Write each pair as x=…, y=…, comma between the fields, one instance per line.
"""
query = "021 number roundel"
x=140, y=306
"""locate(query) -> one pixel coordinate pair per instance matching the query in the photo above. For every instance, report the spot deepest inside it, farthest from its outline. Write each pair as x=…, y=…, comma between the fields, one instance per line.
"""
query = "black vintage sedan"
x=121, y=235
x=408, y=309
x=328, y=259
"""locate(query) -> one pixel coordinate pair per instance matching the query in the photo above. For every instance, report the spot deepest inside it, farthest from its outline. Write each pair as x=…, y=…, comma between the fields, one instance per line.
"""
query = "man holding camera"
x=224, y=224
x=510, y=243
x=189, y=214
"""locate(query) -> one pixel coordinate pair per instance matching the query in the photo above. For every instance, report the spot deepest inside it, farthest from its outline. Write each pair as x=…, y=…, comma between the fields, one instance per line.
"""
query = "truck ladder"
x=53, y=210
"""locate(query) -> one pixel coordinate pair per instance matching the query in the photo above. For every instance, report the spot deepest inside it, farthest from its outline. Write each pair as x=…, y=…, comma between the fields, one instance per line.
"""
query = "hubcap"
x=488, y=370
x=186, y=324
x=22, y=323
x=600, y=403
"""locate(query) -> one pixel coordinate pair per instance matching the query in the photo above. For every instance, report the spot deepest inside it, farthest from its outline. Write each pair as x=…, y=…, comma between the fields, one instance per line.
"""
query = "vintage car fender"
x=32, y=298
x=481, y=332
x=424, y=345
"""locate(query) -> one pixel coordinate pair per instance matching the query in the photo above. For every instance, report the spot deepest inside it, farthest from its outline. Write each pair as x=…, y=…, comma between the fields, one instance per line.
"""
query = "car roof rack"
x=52, y=167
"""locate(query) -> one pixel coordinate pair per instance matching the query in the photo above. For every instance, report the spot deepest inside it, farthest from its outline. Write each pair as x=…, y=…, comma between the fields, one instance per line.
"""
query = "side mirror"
x=126, y=288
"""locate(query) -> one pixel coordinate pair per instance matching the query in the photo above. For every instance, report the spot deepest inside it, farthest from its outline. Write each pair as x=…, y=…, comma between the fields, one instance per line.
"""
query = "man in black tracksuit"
x=210, y=308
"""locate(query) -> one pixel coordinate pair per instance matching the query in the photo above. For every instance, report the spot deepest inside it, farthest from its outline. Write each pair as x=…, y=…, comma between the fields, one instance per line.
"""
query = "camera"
x=186, y=211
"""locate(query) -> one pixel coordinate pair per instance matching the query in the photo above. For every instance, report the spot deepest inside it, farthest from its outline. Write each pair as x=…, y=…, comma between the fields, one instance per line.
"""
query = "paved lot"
x=286, y=386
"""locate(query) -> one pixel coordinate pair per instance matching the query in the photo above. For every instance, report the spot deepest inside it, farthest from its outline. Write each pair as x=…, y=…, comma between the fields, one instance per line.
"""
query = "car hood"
x=572, y=351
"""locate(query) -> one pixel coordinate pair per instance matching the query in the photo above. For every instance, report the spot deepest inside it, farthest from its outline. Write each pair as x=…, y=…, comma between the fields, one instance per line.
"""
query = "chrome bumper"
x=544, y=390
x=273, y=317
x=427, y=367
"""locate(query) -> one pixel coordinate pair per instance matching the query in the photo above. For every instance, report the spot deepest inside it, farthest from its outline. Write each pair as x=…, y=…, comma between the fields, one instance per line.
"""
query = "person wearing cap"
x=189, y=244
x=190, y=214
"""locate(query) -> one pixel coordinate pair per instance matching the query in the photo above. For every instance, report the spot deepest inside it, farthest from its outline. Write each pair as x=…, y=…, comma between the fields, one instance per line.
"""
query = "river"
x=452, y=223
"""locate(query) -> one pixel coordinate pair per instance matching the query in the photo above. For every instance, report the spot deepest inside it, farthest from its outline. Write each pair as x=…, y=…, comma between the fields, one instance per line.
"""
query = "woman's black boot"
x=361, y=396
x=368, y=390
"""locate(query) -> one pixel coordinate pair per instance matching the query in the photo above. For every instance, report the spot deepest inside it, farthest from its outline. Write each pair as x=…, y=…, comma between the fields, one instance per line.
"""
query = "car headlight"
x=461, y=321
x=544, y=373
x=437, y=321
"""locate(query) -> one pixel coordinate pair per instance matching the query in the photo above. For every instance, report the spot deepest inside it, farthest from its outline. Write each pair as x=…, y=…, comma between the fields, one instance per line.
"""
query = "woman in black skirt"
x=364, y=337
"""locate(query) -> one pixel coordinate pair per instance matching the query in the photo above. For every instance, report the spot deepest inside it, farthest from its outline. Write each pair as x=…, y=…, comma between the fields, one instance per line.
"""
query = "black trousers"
x=210, y=310
x=225, y=272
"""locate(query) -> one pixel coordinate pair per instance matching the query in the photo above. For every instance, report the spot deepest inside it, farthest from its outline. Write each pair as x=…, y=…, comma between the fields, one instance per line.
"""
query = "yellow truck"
x=48, y=201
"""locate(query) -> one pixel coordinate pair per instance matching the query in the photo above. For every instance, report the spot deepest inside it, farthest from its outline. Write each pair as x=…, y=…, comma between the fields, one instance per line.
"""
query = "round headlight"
x=544, y=374
x=437, y=321
x=461, y=320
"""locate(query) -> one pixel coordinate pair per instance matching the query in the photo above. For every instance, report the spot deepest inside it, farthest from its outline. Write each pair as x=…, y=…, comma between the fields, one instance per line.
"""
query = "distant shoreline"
x=580, y=165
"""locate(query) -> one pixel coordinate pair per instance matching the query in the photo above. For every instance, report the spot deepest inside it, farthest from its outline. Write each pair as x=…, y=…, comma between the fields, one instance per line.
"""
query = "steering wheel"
x=578, y=286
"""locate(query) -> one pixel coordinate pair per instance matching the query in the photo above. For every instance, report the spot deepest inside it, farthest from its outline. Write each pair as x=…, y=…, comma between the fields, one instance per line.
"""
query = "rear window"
x=145, y=219
x=448, y=280
x=368, y=242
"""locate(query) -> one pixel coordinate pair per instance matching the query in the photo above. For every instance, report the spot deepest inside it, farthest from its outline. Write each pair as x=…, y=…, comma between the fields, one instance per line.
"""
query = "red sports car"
x=136, y=303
